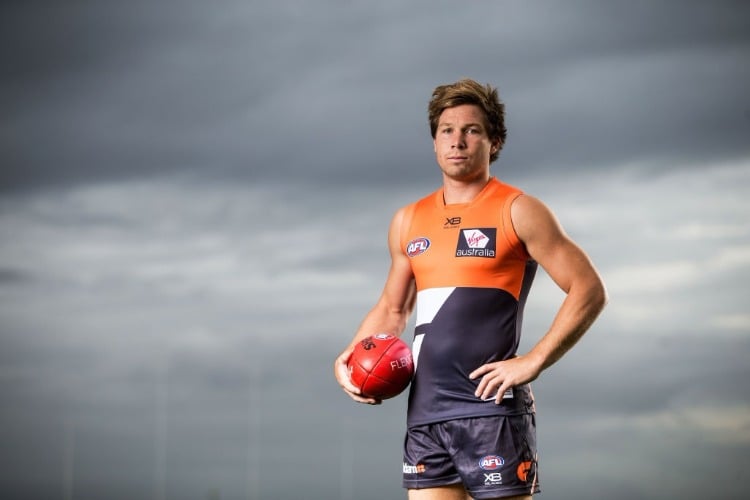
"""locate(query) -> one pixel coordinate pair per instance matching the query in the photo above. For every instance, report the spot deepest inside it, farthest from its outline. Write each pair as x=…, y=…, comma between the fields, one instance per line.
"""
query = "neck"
x=455, y=191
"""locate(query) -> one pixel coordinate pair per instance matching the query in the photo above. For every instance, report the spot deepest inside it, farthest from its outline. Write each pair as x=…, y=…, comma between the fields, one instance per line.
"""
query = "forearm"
x=383, y=319
x=576, y=314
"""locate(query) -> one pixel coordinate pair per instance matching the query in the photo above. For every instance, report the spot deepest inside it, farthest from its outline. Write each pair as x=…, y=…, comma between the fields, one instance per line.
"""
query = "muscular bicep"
x=399, y=291
x=549, y=245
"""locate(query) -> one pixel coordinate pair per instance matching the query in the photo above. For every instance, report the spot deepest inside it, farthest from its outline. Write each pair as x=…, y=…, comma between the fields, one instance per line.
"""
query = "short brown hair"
x=468, y=91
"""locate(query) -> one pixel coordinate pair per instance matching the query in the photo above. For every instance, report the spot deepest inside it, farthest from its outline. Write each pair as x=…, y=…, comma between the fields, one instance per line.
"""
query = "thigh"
x=453, y=492
x=494, y=456
x=517, y=497
x=427, y=462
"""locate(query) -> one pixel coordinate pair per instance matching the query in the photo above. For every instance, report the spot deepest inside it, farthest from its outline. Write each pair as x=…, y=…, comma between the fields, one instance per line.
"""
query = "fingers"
x=342, y=375
x=367, y=401
x=493, y=384
x=485, y=387
x=341, y=371
x=491, y=387
x=482, y=370
x=501, y=392
x=357, y=395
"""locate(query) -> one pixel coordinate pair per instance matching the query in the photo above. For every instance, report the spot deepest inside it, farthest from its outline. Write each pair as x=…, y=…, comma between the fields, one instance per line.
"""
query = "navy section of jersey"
x=471, y=323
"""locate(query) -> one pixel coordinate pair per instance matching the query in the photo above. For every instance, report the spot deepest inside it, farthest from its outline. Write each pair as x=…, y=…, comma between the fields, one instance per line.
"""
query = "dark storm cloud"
x=218, y=181
x=12, y=277
x=97, y=90
x=189, y=346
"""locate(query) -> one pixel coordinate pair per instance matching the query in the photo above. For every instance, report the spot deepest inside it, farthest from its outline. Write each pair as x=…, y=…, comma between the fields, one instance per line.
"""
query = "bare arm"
x=571, y=269
x=391, y=311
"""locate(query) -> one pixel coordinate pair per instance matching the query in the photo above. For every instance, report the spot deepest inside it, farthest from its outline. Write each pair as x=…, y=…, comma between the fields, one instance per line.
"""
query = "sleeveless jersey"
x=472, y=276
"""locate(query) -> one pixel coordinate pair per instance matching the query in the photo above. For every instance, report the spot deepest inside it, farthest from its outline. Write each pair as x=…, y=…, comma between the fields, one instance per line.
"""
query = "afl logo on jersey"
x=417, y=246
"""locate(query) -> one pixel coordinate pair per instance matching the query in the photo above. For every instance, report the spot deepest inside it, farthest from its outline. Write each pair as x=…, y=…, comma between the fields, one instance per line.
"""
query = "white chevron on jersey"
x=430, y=301
x=416, y=346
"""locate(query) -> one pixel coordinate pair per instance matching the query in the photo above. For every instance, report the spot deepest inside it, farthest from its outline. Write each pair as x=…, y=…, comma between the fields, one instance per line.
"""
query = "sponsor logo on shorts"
x=493, y=478
x=417, y=246
x=477, y=242
x=491, y=462
x=523, y=470
x=413, y=469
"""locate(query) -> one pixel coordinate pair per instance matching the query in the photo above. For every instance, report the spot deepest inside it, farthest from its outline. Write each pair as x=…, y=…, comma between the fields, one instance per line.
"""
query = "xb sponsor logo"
x=493, y=478
x=452, y=222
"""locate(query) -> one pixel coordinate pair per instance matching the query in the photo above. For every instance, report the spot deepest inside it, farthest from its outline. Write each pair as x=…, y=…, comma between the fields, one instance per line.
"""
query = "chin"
x=461, y=174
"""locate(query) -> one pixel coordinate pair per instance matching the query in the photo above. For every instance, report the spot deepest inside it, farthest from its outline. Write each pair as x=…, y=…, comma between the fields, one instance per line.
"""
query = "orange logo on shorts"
x=414, y=469
x=523, y=470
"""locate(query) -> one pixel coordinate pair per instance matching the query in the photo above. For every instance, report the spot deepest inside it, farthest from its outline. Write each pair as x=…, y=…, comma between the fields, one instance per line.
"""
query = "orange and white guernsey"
x=473, y=275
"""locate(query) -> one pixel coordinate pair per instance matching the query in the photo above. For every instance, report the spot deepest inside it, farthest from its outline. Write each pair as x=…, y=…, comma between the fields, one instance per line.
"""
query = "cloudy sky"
x=194, y=198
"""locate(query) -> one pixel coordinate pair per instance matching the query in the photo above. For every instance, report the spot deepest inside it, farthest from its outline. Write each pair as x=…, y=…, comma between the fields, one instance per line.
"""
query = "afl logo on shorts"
x=417, y=246
x=491, y=462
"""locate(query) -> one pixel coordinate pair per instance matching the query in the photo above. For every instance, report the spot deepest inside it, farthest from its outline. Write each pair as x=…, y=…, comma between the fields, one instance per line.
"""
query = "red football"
x=381, y=366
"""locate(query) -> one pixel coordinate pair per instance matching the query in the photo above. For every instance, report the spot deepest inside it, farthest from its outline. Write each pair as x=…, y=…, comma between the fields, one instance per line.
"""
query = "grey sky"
x=194, y=199
x=103, y=90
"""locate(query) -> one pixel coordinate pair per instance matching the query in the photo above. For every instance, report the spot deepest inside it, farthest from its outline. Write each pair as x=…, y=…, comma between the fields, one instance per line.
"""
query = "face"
x=462, y=146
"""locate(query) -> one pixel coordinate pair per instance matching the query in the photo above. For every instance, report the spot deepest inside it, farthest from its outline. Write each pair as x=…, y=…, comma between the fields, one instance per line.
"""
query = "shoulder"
x=404, y=214
x=525, y=205
x=400, y=223
x=533, y=219
x=504, y=187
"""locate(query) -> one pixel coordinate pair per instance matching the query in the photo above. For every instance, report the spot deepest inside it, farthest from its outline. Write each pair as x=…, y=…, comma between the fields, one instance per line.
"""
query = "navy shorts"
x=491, y=456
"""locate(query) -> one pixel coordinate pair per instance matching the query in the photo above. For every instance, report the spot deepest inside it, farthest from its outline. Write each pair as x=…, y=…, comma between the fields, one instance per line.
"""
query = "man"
x=466, y=255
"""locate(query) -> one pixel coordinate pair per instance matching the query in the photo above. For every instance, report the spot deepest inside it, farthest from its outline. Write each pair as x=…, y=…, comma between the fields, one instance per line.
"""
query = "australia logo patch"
x=477, y=242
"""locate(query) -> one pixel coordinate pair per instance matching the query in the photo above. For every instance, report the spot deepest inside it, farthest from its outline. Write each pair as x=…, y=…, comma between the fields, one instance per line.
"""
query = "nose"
x=459, y=141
